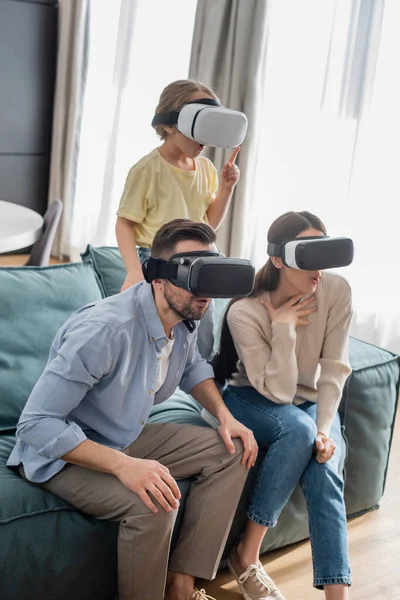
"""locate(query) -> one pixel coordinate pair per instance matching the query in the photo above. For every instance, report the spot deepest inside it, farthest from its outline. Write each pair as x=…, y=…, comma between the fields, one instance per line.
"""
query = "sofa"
x=50, y=550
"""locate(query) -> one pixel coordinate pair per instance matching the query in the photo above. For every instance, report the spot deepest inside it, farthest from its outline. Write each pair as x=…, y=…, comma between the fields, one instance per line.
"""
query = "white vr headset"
x=206, y=122
x=314, y=253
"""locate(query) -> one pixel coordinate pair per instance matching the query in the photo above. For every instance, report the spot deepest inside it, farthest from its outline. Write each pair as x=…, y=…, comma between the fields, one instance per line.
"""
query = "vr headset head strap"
x=171, y=118
x=274, y=249
x=195, y=254
x=278, y=249
x=156, y=268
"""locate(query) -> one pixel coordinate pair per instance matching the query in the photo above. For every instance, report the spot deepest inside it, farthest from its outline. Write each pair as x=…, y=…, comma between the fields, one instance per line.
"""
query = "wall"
x=28, y=47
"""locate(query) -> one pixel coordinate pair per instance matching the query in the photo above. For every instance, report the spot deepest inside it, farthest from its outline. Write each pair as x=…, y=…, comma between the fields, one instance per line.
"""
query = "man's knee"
x=138, y=511
x=129, y=505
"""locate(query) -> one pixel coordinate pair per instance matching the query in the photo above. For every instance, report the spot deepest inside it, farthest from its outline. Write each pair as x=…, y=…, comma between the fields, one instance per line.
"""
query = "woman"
x=284, y=354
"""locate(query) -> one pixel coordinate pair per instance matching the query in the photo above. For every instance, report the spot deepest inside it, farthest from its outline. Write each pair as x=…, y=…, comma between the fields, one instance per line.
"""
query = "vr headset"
x=204, y=274
x=206, y=122
x=314, y=253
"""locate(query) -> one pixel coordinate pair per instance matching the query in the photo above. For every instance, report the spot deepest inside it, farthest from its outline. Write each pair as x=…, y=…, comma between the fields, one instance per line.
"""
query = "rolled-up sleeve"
x=196, y=369
x=84, y=356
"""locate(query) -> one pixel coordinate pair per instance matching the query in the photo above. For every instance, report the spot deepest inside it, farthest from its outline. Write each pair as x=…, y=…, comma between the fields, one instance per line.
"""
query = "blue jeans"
x=205, y=335
x=288, y=432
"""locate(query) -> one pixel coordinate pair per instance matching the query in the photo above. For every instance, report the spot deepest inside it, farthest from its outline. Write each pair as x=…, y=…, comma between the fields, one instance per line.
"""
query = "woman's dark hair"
x=284, y=228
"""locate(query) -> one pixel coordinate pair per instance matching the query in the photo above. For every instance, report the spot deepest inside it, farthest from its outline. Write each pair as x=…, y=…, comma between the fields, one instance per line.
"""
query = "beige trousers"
x=144, y=537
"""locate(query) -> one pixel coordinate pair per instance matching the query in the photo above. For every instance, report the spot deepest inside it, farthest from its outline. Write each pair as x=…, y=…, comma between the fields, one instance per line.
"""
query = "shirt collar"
x=152, y=318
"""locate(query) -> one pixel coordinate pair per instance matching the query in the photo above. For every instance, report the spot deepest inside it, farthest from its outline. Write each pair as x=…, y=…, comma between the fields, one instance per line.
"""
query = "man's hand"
x=325, y=447
x=230, y=173
x=231, y=428
x=149, y=476
x=207, y=394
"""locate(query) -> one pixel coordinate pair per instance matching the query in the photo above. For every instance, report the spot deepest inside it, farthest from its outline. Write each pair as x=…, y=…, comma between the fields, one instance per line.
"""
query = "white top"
x=19, y=226
x=164, y=359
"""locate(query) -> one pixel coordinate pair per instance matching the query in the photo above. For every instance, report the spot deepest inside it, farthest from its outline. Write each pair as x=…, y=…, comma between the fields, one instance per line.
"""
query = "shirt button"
x=151, y=392
x=165, y=341
x=152, y=339
x=141, y=422
x=159, y=358
x=122, y=447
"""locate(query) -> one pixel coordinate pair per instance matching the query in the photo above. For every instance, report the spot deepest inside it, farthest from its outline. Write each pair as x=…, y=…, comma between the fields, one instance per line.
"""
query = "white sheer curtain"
x=136, y=48
x=341, y=164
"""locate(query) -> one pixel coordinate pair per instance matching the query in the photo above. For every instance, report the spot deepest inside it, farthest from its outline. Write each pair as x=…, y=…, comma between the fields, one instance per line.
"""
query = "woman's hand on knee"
x=325, y=447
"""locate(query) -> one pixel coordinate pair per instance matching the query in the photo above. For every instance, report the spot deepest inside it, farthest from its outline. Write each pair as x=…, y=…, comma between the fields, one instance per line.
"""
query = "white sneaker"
x=200, y=595
x=254, y=583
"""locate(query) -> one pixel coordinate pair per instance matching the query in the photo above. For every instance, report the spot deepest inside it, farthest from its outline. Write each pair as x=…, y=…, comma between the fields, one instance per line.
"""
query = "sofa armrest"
x=368, y=409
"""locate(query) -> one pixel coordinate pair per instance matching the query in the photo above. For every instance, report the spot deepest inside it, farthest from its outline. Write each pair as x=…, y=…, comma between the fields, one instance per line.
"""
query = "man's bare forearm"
x=96, y=457
x=207, y=394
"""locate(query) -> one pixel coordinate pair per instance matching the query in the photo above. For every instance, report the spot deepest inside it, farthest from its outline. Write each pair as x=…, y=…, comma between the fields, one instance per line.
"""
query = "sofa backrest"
x=34, y=303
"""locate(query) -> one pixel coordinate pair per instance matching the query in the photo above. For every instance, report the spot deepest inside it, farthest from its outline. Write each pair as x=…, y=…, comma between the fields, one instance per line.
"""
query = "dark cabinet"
x=28, y=50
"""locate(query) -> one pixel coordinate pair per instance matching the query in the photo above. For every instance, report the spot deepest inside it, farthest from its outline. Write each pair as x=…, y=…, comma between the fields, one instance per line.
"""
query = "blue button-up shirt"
x=100, y=380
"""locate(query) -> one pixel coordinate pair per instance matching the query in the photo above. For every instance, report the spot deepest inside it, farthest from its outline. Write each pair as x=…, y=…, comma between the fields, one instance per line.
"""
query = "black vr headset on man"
x=314, y=253
x=204, y=274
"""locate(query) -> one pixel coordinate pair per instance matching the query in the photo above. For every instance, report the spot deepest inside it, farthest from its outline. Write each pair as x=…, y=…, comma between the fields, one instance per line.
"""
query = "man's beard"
x=183, y=309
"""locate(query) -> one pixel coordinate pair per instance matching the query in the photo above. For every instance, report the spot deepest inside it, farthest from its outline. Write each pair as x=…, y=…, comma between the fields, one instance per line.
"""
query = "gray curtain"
x=73, y=27
x=229, y=54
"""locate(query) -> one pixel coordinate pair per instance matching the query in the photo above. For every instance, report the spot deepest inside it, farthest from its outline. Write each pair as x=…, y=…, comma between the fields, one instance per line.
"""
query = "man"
x=83, y=434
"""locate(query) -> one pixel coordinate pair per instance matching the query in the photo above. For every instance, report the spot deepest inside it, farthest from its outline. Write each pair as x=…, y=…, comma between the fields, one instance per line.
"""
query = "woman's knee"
x=300, y=428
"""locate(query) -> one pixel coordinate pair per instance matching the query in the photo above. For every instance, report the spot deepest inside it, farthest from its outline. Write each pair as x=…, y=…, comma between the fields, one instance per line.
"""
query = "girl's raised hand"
x=230, y=173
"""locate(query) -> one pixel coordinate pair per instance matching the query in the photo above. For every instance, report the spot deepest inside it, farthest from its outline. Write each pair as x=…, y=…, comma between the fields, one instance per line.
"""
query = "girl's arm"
x=125, y=233
x=132, y=209
x=230, y=174
x=334, y=360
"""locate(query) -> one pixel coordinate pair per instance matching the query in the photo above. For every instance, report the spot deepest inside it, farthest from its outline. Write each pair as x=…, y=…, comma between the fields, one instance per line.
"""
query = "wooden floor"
x=374, y=544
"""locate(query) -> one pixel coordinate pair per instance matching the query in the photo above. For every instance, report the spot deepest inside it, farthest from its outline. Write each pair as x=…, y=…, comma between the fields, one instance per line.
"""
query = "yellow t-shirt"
x=157, y=192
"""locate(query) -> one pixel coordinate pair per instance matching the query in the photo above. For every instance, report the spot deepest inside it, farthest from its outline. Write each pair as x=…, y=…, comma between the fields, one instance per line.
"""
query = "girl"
x=172, y=182
x=284, y=352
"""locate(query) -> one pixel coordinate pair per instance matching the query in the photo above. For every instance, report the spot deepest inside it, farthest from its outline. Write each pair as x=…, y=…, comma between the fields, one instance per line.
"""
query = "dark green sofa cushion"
x=109, y=267
x=49, y=550
x=34, y=303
